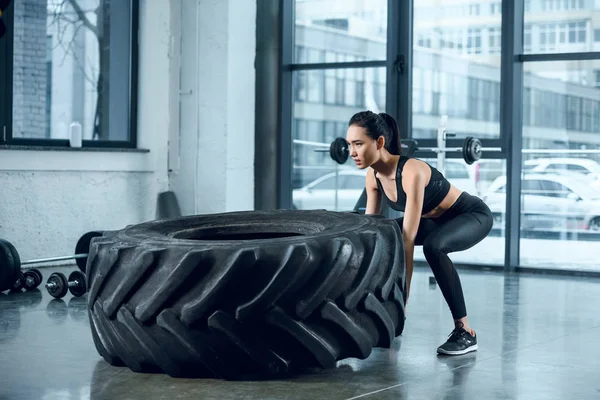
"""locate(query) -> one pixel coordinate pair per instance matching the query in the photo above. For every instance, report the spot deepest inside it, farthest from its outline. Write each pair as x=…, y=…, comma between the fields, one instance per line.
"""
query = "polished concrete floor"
x=539, y=338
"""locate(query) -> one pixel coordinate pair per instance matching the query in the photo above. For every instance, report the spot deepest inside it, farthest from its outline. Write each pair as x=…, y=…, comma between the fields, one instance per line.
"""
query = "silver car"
x=549, y=202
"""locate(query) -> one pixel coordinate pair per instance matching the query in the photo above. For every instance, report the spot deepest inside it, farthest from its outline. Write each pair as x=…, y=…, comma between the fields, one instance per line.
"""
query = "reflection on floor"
x=538, y=338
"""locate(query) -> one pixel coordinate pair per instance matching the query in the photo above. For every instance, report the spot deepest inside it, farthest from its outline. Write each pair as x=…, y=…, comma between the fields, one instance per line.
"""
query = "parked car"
x=333, y=191
x=549, y=202
x=583, y=166
x=322, y=194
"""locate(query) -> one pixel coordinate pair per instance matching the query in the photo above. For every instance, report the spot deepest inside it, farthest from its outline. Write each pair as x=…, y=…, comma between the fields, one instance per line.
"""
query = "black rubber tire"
x=227, y=294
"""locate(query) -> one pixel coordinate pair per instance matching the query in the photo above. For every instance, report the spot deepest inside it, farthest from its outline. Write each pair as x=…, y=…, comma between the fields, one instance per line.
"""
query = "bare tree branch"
x=83, y=18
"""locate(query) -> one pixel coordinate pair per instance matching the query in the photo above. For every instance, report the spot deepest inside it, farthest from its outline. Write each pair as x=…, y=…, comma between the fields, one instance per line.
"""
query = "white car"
x=322, y=194
x=583, y=166
x=549, y=202
x=331, y=192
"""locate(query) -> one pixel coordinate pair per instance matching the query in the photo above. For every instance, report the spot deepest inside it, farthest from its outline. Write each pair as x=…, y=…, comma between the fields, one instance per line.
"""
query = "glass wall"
x=334, y=37
x=324, y=101
x=356, y=29
x=456, y=75
x=339, y=67
x=560, y=194
x=561, y=26
x=456, y=68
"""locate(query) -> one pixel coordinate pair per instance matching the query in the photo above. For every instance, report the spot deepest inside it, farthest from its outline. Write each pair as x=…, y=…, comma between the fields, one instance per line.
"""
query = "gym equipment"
x=33, y=279
x=83, y=247
x=28, y=280
x=58, y=285
x=471, y=149
x=339, y=150
x=10, y=262
x=19, y=283
x=241, y=279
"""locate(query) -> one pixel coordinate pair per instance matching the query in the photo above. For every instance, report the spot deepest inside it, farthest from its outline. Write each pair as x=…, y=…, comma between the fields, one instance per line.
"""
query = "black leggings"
x=462, y=226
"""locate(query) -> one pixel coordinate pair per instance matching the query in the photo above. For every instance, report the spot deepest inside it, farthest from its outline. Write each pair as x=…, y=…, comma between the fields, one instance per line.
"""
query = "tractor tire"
x=230, y=294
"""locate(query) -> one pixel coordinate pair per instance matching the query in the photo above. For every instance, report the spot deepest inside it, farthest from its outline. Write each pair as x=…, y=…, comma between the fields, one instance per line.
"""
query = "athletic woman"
x=437, y=215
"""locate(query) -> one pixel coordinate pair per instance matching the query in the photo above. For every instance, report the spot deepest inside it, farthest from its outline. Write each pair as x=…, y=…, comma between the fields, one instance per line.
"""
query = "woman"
x=437, y=215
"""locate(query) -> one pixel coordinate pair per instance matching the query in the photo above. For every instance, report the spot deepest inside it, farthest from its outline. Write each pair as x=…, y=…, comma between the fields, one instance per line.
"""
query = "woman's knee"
x=432, y=248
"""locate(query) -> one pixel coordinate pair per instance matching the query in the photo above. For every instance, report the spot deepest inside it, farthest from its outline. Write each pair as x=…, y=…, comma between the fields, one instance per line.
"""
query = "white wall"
x=218, y=47
x=48, y=199
x=196, y=108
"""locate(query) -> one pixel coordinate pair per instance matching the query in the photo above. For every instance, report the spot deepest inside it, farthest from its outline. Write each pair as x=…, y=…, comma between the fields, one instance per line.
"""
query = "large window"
x=317, y=181
x=456, y=69
x=560, y=193
x=560, y=26
x=338, y=69
x=73, y=69
x=539, y=107
x=354, y=29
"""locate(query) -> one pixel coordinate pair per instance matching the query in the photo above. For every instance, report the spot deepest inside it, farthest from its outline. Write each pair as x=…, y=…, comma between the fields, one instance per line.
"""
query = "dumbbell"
x=27, y=280
x=58, y=285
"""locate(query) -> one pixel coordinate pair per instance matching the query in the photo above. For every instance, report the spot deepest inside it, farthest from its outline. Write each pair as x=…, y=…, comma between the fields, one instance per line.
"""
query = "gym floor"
x=538, y=338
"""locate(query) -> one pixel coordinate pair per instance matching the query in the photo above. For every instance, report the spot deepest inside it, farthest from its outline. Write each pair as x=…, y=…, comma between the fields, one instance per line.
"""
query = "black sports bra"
x=435, y=191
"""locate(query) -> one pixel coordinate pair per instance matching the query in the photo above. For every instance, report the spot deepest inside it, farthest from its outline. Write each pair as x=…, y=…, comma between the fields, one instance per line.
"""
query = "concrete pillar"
x=214, y=166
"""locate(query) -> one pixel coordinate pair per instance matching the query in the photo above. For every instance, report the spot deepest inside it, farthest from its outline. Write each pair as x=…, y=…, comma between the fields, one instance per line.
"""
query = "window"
x=74, y=67
x=577, y=168
x=353, y=182
x=555, y=189
x=494, y=40
x=531, y=187
x=496, y=8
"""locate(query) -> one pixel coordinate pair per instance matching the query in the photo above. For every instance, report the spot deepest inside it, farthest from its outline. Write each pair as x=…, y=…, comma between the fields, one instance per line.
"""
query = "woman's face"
x=362, y=148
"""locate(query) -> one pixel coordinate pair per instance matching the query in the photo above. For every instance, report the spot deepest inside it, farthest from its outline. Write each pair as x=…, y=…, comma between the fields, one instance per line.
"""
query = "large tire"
x=226, y=294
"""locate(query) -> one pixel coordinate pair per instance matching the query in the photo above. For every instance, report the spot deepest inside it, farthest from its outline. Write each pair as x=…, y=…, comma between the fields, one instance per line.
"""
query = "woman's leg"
x=461, y=232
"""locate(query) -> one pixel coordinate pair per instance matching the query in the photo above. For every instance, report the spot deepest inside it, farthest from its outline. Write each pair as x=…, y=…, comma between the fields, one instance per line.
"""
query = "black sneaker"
x=459, y=342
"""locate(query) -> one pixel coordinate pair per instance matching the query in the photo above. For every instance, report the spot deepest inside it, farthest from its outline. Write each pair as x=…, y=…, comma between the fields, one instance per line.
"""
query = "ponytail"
x=393, y=136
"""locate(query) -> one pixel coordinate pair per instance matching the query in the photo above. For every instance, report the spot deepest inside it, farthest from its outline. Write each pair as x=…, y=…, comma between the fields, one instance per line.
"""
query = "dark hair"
x=377, y=125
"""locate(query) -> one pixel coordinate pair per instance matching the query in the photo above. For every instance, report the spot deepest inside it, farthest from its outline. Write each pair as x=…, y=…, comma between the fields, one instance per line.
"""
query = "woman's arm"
x=413, y=183
x=373, y=194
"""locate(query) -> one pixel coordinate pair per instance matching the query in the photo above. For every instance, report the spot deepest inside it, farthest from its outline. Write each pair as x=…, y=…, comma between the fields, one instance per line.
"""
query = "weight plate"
x=465, y=149
x=409, y=147
x=33, y=278
x=475, y=149
x=81, y=287
x=37, y=271
x=57, y=285
x=338, y=150
x=83, y=247
x=10, y=264
x=19, y=283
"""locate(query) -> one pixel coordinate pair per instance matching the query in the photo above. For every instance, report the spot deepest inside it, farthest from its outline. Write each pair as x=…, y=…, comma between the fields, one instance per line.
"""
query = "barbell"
x=472, y=150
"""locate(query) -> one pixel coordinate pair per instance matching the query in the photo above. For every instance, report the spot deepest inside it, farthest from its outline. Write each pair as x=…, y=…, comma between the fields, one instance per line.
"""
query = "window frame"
x=6, y=93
